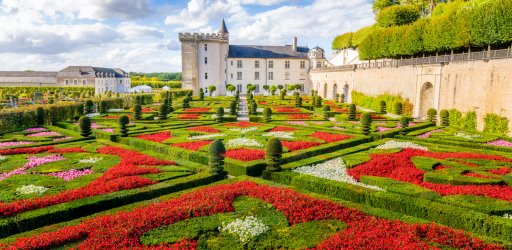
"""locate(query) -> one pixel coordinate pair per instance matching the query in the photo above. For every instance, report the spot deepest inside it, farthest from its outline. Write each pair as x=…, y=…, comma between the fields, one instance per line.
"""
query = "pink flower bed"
x=383, y=129
x=108, y=130
x=13, y=143
x=72, y=174
x=33, y=161
x=62, y=138
x=44, y=134
x=500, y=142
x=427, y=135
x=34, y=130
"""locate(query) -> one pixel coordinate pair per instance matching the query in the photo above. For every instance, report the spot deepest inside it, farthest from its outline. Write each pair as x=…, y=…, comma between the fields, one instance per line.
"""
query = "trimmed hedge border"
x=448, y=215
x=456, y=143
x=75, y=209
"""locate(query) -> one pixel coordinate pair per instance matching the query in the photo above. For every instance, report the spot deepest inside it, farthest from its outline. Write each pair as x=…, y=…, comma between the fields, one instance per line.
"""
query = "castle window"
x=239, y=64
x=302, y=87
x=257, y=64
x=231, y=75
x=67, y=82
x=256, y=75
x=270, y=64
x=271, y=75
x=231, y=63
x=302, y=76
x=302, y=64
x=206, y=76
x=257, y=88
x=318, y=65
x=239, y=75
x=75, y=82
x=206, y=47
x=287, y=76
x=84, y=82
x=206, y=60
x=286, y=64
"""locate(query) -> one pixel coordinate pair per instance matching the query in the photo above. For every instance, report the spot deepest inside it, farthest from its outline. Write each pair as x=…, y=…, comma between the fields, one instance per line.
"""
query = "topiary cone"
x=445, y=118
x=123, y=121
x=366, y=122
x=383, y=107
x=326, y=109
x=432, y=115
x=84, y=125
x=273, y=154
x=217, y=153
x=40, y=114
x=352, y=111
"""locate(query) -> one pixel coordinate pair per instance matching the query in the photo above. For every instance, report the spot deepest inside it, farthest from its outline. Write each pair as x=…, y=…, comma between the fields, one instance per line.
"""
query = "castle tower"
x=203, y=60
x=316, y=57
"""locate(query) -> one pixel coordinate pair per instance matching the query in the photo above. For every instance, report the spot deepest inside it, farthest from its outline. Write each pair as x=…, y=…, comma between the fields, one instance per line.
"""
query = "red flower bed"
x=328, y=137
x=147, y=110
x=287, y=110
x=477, y=175
x=262, y=102
x=18, y=151
x=329, y=103
x=188, y=116
x=158, y=137
x=500, y=171
x=67, y=150
x=299, y=116
x=374, y=116
x=197, y=110
x=342, y=110
x=242, y=124
x=245, y=154
x=283, y=129
x=193, y=145
x=123, y=229
x=115, y=116
x=206, y=129
x=299, y=145
x=119, y=177
x=399, y=166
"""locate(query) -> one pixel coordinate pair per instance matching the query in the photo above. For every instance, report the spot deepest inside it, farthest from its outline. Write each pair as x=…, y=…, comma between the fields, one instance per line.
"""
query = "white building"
x=208, y=59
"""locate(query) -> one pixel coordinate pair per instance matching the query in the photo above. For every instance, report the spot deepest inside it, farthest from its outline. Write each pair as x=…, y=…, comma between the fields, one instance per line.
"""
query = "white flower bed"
x=280, y=134
x=335, y=170
x=466, y=136
x=91, y=115
x=115, y=110
x=203, y=137
x=246, y=229
x=259, y=110
x=400, y=144
x=31, y=189
x=365, y=109
x=244, y=130
x=393, y=116
x=507, y=216
x=2, y=158
x=91, y=160
x=241, y=142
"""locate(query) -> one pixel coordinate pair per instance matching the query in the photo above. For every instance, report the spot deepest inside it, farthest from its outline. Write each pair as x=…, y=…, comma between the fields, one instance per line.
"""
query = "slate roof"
x=27, y=74
x=258, y=51
x=88, y=71
x=223, y=28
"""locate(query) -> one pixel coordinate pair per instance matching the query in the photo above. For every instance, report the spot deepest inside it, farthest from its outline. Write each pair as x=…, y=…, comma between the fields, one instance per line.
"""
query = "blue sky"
x=141, y=35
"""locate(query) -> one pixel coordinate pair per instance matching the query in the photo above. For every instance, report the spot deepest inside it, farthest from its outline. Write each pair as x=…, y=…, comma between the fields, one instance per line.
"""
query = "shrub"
x=495, y=124
x=445, y=118
x=273, y=154
x=170, y=109
x=326, y=109
x=84, y=125
x=40, y=114
x=162, y=112
x=123, y=121
x=232, y=108
x=342, y=98
x=352, y=112
x=201, y=95
x=186, y=103
x=398, y=108
x=397, y=15
x=298, y=102
x=103, y=107
x=383, y=107
x=373, y=102
x=89, y=107
x=79, y=111
x=166, y=104
x=366, y=122
x=220, y=114
x=254, y=108
x=404, y=123
x=217, y=153
x=267, y=114
x=317, y=101
x=53, y=114
x=469, y=121
x=137, y=112
x=138, y=100
x=211, y=89
x=283, y=94
x=432, y=115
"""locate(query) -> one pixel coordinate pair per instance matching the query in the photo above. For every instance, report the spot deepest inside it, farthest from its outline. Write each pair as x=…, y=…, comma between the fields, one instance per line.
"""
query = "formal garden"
x=172, y=170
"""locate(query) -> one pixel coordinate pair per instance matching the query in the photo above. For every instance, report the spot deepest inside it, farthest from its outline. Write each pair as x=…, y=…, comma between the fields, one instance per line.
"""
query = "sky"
x=142, y=35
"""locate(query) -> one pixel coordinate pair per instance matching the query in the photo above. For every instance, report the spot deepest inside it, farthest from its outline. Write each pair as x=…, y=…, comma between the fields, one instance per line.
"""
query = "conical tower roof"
x=223, y=28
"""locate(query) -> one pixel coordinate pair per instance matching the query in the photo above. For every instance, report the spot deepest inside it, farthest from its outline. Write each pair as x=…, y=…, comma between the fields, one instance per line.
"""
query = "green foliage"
x=379, y=5
x=40, y=115
x=404, y=123
x=123, y=121
x=317, y=101
x=397, y=15
x=186, y=102
x=84, y=125
x=445, y=118
x=220, y=114
x=253, y=108
x=273, y=154
x=103, y=107
x=383, y=107
x=352, y=112
x=298, y=102
x=89, y=106
x=432, y=115
x=137, y=112
x=53, y=114
x=162, y=112
x=343, y=41
x=398, y=108
x=230, y=88
x=232, y=108
x=267, y=114
x=201, y=95
x=326, y=109
x=495, y=124
x=366, y=122
x=217, y=153
x=283, y=93
x=211, y=89
x=373, y=102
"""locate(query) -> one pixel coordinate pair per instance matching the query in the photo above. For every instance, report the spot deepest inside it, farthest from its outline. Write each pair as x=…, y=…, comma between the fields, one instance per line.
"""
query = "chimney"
x=294, y=44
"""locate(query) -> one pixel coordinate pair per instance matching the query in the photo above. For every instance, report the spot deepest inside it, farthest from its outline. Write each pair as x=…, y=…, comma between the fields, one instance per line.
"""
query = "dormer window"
x=205, y=47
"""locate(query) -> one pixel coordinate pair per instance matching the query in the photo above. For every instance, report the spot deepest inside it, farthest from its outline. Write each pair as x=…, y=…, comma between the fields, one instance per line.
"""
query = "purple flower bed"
x=33, y=161
x=72, y=174
x=34, y=130
x=500, y=142
x=44, y=134
x=427, y=135
x=13, y=143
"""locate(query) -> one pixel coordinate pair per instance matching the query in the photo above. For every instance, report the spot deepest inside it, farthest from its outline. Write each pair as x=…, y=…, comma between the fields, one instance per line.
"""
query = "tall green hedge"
x=373, y=102
x=398, y=15
x=495, y=124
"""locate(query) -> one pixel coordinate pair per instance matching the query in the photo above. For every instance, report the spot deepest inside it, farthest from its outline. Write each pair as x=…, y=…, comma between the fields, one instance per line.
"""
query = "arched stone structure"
x=334, y=90
x=325, y=91
x=345, y=92
x=426, y=100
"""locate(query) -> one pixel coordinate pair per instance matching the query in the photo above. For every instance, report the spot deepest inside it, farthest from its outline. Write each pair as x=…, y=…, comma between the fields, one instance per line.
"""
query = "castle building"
x=101, y=79
x=209, y=60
